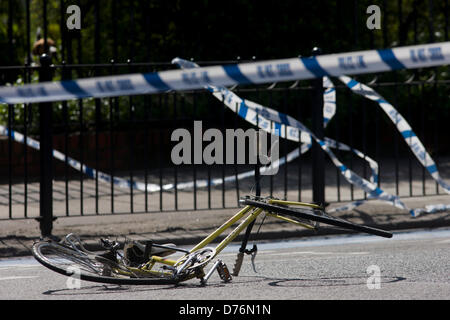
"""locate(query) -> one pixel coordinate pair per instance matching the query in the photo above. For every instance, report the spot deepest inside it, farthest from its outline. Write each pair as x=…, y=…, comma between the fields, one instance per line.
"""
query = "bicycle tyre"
x=311, y=214
x=48, y=252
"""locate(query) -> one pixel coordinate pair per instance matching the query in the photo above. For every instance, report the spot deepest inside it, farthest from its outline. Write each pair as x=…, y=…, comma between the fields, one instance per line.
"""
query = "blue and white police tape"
x=408, y=135
x=287, y=127
x=349, y=63
x=286, y=123
x=253, y=116
x=90, y=172
x=127, y=184
x=150, y=187
x=293, y=128
x=265, y=114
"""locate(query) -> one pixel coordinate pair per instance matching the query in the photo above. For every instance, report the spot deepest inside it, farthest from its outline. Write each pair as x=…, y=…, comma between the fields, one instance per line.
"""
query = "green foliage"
x=211, y=30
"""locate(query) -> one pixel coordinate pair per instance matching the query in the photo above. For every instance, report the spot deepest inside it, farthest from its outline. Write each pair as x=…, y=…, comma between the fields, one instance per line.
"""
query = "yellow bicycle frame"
x=252, y=212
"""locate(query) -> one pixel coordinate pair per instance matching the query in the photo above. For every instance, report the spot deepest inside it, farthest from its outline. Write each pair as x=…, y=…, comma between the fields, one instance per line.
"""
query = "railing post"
x=318, y=157
x=46, y=146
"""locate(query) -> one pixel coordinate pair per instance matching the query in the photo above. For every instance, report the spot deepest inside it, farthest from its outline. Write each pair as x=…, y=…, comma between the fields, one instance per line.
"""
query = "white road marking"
x=18, y=277
x=18, y=266
x=443, y=241
x=316, y=253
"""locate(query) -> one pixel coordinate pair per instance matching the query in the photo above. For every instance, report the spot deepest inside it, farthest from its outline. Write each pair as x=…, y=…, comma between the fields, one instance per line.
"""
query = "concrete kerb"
x=190, y=227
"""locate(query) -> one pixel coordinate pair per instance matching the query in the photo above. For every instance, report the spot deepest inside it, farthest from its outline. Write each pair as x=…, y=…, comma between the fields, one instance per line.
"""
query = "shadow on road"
x=331, y=282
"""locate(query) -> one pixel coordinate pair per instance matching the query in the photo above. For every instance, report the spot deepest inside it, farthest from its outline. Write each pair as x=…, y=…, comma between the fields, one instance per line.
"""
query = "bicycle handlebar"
x=306, y=214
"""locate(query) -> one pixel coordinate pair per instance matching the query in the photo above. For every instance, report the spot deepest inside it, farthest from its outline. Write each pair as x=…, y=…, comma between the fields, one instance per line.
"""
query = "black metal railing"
x=129, y=137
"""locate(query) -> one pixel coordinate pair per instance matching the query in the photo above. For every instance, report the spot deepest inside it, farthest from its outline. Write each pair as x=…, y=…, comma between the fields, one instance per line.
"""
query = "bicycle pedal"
x=223, y=271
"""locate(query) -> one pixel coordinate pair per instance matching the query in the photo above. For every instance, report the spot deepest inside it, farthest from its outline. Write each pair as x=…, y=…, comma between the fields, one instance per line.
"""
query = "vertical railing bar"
x=62, y=28
x=338, y=176
x=131, y=156
x=235, y=155
x=132, y=31
x=194, y=168
x=236, y=118
x=147, y=109
x=97, y=101
x=46, y=217
x=355, y=24
x=81, y=144
x=114, y=33
x=318, y=157
x=400, y=22
x=422, y=121
x=131, y=137
x=97, y=125
x=10, y=161
x=148, y=29
x=112, y=102
x=271, y=132
x=364, y=138
x=300, y=158
x=45, y=25
x=285, y=144
x=415, y=32
x=350, y=107
x=10, y=108
x=160, y=154
x=26, y=108
x=446, y=10
x=436, y=95
x=410, y=139
x=46, y=46
x=257, y=164
x=396, y=147
x=209, y=99
x=175, y=168
x=257, y=172
x=80, y=34
x=147, y=101
x=28, y=39
x=65, y=73
x=69, y=53
x=224, y=151
x=431, y=20
x=384, y=9
x=81, y=116
x=66, y=150
x=209, y=186
x=377, y=143
x=25, y=160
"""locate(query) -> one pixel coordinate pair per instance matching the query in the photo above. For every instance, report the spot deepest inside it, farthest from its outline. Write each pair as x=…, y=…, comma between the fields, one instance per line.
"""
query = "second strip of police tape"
x=291, y=129
x=287, y=127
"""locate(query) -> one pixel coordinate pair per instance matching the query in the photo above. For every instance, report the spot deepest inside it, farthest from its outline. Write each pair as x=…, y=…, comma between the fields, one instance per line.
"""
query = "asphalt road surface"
x=411, y=265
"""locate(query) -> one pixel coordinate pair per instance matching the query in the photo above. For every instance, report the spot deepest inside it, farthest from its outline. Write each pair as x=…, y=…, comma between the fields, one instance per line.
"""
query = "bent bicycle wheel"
x=317, y=215
x=90, y=267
